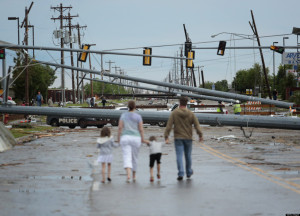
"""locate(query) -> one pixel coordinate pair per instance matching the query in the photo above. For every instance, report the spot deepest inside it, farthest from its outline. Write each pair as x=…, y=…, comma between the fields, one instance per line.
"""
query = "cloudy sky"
x=120, y=24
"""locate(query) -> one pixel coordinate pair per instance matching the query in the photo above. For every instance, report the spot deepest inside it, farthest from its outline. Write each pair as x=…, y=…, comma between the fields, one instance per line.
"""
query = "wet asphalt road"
x=57, y=175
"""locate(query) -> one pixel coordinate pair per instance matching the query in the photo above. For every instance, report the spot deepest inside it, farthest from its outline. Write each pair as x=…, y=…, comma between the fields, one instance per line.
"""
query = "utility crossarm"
x=175, y=93
x=182, y=87
x=208, y=119
x=249, y=47
x=2, y=45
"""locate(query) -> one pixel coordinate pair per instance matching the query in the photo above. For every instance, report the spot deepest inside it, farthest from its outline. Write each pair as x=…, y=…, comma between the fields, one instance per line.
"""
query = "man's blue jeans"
x=184, y=146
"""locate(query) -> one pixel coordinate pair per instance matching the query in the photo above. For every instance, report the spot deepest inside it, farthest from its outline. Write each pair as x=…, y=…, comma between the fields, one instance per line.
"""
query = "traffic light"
x=83, y=56
x=147, y=59
x=189, y=62
x=2, y=53
x=221, y=49
x=187, y=48
x=278, y=49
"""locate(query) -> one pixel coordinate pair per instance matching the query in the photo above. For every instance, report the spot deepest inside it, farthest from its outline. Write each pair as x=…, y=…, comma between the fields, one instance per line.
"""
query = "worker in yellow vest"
x=237, y=108
x=220, y=108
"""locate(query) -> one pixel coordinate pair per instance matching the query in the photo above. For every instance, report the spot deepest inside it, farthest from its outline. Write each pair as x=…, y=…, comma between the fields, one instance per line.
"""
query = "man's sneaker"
x=189, y=176
x=179, y=178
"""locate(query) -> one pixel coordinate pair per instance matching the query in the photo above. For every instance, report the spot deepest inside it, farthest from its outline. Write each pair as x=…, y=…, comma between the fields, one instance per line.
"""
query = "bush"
x=295, y=98
x=24, y=125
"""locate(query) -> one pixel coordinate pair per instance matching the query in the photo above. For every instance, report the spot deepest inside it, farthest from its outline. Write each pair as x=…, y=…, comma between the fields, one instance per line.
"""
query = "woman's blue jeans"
x=184, y=146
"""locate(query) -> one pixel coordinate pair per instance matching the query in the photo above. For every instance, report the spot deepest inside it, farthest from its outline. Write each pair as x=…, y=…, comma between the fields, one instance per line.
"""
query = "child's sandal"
x=158, y=176
x=151, y=179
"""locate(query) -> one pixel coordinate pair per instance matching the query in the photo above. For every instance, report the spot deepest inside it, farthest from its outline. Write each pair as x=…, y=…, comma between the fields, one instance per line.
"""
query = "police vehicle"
x=72, y=122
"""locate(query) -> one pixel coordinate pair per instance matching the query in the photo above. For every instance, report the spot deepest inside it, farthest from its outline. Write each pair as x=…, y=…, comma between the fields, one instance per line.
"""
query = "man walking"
x=183, y=120
x=39, y=99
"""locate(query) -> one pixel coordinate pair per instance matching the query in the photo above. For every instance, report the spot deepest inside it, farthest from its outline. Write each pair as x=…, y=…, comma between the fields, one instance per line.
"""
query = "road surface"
x=233, y=175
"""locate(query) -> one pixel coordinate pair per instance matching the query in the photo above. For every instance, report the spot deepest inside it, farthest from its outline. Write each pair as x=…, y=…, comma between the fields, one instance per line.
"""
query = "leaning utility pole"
x=254, y=29
x=25, y=21
x=61, y=9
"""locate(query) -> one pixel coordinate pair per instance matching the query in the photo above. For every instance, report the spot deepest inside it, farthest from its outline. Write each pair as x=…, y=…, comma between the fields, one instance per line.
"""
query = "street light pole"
x=274, y=67
x=16, y=18
x=283, y=42
x=296, y=31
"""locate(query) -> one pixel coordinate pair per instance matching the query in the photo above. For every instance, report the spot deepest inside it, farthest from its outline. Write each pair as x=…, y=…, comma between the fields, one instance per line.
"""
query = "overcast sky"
x=118, y=24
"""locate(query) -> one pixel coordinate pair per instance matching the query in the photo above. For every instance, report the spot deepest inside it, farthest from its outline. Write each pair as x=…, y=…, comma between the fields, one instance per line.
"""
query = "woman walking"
x=131, y=136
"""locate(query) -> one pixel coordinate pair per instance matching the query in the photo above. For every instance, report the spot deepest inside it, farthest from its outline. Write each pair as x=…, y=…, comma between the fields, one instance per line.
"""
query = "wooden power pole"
x=254, y=29
x=25, y=25
x=61, y=17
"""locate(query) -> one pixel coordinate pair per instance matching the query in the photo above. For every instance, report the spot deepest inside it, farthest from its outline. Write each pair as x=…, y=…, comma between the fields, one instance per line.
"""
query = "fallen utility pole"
x=183, y=87
x=175, y=93
x=208, y=119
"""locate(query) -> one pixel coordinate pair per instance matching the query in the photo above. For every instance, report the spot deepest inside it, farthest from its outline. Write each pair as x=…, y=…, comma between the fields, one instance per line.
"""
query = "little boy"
x=155, y=155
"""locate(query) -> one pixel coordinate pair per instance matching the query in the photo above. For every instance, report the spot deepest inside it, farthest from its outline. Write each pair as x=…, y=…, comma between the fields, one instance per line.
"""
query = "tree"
x=282, y=81
x=250, y=79
x=222, y=85
x=40, y=77
x=107, y=88
x=208, y=84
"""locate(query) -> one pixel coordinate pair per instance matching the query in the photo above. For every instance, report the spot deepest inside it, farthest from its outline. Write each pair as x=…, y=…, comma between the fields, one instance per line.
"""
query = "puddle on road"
x=78, y=178
x=285, y=172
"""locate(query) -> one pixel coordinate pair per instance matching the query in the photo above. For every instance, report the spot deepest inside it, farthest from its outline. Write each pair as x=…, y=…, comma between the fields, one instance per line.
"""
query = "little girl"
x=105, y=144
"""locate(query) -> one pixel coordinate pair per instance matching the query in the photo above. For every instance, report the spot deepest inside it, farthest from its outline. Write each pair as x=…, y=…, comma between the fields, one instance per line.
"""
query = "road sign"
x=292, y=58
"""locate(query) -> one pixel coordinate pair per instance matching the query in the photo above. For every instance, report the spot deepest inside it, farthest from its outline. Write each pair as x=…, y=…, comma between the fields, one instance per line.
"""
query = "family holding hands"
x=131, y=136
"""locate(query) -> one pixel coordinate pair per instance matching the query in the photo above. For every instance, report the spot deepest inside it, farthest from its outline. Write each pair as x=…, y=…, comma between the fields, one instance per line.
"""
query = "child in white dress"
x=105, y=144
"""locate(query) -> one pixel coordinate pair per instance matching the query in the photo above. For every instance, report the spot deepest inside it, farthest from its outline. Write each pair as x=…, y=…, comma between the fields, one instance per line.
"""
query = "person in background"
x=103, y=101
x=237, y=108
x=275, y=93
x=50, y=102
x=39, y=99
x=92, y=102
x=220, y=108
